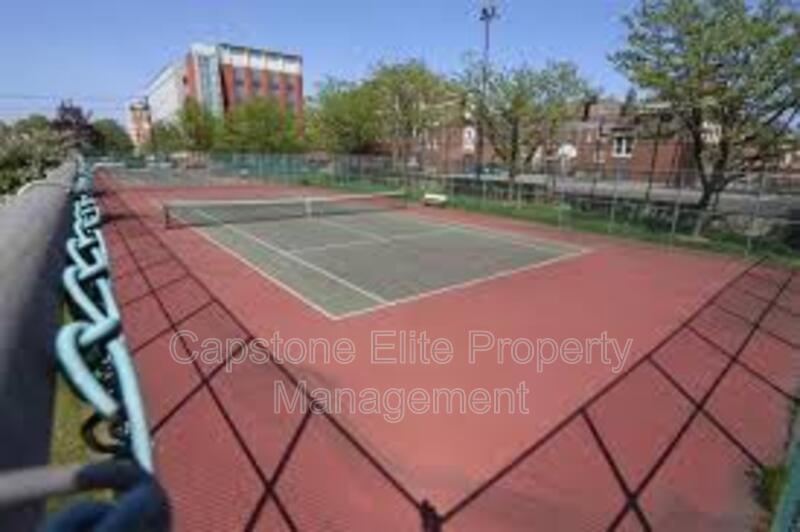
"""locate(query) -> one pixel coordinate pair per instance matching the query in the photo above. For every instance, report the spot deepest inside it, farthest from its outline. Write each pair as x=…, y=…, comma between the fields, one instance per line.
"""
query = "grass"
x=767, y=485
x=566, y=216
x=66, y=445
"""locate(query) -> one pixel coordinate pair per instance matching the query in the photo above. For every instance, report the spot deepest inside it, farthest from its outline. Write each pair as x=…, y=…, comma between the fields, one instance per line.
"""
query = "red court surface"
x=664, y=441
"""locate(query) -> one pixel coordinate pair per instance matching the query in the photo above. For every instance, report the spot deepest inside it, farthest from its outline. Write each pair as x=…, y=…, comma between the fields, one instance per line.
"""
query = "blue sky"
x=101, y=53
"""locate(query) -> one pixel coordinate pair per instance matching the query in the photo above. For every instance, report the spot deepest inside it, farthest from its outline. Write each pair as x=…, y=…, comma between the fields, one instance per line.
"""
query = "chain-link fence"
x=757, y=213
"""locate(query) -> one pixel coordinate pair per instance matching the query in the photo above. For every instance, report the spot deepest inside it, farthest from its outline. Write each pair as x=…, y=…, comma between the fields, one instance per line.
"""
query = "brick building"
x=609, y=139
x=219, y=77
x=604, y=139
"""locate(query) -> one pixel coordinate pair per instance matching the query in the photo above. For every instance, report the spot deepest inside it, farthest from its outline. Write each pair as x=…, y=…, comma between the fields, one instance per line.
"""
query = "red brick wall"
x=266, y=77
x=597, y=154
x=248, y=83
x=227, y=86
x=298, y=95
x=190, y=86
x=298, y=104
x=282, y=90
x=264, y=84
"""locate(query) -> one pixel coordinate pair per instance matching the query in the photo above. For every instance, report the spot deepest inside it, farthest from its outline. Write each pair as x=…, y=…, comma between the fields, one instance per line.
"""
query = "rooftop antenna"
x=489, y=13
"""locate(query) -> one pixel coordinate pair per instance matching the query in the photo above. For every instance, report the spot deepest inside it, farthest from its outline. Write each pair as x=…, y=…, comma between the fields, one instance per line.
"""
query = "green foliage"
x=412, y=100
x=27, y=149
x=345, y=118
x=165, y=138
x=111, y=139
x=398, y=105
x=260, y=126
x=74, y=124
x=728, y=69
x=523, y=107
x=32, y=123
x=199, y=126
x=766, y=485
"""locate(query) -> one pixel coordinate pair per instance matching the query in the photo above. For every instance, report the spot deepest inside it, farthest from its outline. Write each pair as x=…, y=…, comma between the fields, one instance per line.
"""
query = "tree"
x=27, y=149
x=654, y=123
x=165, y=137
x=524, y=107
x=111, y=138
x=729, y=71
x=630, y=104
x=198, y=125
x=75, y=125
x=412, y=101
x=345, y=118
x=34, y=122
x=260, y=125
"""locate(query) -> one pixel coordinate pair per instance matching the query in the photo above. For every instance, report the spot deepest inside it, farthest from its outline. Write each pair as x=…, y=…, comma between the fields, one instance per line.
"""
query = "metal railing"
x=93, y=358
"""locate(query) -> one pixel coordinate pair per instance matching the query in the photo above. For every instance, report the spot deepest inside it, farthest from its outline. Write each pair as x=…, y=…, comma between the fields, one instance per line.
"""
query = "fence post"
x=676, y=212
x=755, y=211
x=612, y=214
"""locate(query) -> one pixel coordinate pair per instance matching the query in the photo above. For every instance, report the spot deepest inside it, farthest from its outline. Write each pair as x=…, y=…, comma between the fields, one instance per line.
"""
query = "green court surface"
x=351, y=264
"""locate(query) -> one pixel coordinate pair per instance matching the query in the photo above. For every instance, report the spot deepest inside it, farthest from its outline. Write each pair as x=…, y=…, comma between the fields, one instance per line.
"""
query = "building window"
x=256, y=76
x=623, y=146
x=238, y=76
x=274, y=86
x=238, y=84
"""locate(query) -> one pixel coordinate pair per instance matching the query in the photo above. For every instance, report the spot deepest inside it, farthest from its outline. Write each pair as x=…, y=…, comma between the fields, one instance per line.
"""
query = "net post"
x=165, y=212
x=431, y=520
x=676, y=213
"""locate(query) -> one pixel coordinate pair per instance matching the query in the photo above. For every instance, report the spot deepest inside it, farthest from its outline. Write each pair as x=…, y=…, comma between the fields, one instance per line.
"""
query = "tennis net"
x=221, y=212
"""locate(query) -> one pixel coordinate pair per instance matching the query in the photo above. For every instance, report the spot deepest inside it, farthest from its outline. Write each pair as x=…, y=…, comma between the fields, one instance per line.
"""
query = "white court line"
x=387, y=240
x=383, y=303
x=493, y=234
x=298, y=260
x=503, y=234
x=458, y=286
x=488, y=232
x=375, y=237
x=264, y=274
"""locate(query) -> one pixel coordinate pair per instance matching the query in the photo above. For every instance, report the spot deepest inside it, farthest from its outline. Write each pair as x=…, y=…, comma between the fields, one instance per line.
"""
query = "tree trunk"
x=704, y=203
x=514, y=160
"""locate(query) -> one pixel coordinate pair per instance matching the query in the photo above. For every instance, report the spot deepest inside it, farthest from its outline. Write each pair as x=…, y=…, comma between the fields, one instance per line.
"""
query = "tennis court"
x=356, y=254
x=629, y=445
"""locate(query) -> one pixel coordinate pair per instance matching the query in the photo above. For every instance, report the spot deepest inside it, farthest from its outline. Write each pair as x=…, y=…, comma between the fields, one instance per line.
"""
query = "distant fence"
x=757, y=211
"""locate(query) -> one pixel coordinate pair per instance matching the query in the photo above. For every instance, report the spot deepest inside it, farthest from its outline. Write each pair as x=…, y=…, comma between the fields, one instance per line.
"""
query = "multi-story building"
x=139, y=123
x=219, y=77
x=638, y=143
x=603, y=138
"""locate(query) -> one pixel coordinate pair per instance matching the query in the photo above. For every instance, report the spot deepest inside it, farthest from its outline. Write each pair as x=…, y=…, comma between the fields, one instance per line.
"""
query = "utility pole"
x=489, y=13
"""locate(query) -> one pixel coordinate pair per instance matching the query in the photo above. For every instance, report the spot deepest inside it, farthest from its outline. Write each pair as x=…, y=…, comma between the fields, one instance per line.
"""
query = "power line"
x=62, y=97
